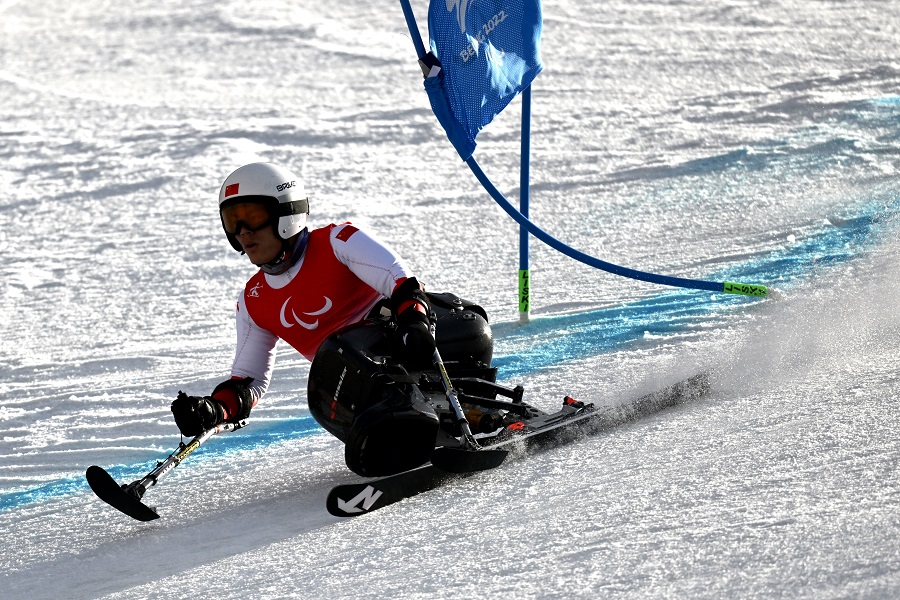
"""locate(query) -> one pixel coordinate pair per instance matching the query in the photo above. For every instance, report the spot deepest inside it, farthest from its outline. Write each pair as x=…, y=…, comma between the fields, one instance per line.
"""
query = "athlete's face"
x=261, y=246
x=251, y=225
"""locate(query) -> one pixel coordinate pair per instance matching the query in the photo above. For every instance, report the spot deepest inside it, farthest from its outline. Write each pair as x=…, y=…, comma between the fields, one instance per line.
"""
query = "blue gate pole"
x=726, y=287
x=524, y=198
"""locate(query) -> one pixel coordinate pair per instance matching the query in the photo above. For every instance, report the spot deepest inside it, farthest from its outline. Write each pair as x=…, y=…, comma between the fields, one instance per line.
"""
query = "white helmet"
x=275, y=187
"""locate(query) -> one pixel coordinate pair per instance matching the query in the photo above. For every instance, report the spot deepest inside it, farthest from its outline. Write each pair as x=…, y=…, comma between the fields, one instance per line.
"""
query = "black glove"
x=196, y=414
x=418, y=345
x=413, y=326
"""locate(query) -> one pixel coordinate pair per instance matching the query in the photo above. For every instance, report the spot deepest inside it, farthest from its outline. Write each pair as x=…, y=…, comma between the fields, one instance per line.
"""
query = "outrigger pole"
x=127, y=497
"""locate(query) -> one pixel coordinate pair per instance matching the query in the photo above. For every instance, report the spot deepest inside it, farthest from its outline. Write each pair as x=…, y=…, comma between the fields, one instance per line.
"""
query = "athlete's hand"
x=414, y=330
x=195, y=414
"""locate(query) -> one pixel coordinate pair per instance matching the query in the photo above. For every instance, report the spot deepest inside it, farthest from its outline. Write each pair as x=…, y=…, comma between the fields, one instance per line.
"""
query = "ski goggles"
x=249, y=215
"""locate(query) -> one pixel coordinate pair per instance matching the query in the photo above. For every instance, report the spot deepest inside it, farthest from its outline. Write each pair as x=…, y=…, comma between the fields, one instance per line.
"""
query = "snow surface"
x=755, y=141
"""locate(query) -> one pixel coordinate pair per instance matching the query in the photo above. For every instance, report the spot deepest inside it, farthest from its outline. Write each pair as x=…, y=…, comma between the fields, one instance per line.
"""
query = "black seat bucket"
x=395, y=435
x=362, y=396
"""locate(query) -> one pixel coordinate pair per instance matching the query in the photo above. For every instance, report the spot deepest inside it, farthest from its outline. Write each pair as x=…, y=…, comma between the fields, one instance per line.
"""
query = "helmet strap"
x=292, y=250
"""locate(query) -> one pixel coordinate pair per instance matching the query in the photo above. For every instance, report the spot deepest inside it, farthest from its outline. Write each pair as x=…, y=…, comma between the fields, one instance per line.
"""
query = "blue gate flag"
x=487, y=52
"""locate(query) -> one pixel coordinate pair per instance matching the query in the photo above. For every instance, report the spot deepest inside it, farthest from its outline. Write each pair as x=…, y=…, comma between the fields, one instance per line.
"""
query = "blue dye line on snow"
x=887, y=101
x=549, y=341
x=256, y=435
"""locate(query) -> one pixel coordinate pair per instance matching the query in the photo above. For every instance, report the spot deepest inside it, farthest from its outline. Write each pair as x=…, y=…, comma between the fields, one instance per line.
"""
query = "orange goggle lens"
x=252, y=216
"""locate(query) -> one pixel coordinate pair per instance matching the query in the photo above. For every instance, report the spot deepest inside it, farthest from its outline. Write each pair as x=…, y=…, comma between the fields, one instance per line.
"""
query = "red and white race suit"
x=341, y=275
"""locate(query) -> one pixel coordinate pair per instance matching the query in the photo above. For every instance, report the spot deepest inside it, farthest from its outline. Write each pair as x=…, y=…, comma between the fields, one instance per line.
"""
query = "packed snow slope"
x=755, y=141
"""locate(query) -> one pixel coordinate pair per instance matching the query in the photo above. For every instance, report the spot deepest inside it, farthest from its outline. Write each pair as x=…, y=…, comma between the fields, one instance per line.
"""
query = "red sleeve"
x=414, y=304
x=230, y=401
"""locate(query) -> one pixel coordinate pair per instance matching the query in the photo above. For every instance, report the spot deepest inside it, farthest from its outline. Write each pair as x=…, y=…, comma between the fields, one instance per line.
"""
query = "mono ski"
x=522, y=435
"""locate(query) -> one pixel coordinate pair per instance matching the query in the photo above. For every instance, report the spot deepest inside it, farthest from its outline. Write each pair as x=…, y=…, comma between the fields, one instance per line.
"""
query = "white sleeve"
x=369, y=259
x=255, y=353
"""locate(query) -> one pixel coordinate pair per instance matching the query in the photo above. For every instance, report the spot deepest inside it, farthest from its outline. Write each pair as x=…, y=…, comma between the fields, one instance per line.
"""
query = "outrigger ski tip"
x=118, y=496
x=127, y=498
